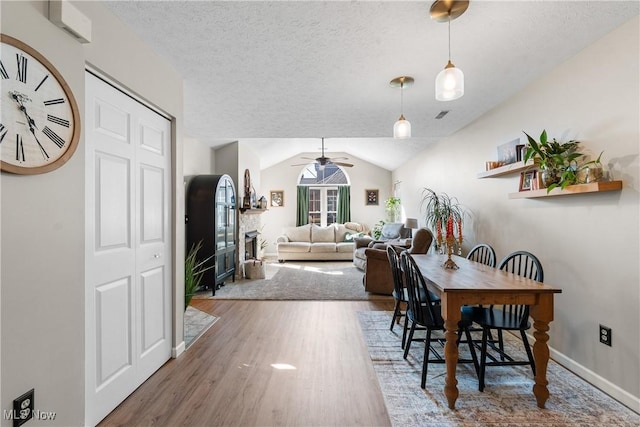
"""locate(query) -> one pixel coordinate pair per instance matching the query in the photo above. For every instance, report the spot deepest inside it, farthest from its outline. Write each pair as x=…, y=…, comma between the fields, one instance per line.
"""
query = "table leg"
x=451, y=314
x=542, y=314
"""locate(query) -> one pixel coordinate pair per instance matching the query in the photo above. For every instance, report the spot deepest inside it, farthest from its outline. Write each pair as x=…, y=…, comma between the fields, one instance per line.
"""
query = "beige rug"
x=293, y=280
x=506, y=401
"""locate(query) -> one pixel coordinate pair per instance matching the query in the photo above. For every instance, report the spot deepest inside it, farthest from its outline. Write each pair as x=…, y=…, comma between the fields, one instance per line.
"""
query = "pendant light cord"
x=449, y=36
x=402, y=99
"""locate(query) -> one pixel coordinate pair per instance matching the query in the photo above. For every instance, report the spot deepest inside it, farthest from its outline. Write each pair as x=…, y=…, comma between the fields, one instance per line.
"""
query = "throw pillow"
x=391, y=230
x=350, y=237
x=323, y=234
x=299, y=234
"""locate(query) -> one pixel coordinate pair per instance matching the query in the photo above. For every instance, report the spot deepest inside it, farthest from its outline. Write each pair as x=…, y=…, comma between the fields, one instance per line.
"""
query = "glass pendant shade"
x=402, y=128
x=449, y=83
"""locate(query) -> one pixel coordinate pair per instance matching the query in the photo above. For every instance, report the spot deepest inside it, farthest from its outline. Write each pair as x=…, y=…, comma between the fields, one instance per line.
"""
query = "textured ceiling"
x=283, y=74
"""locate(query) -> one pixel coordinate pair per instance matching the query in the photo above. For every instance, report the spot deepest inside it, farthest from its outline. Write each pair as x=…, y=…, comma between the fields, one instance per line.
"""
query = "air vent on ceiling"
x=441, y=114
x=66, y=16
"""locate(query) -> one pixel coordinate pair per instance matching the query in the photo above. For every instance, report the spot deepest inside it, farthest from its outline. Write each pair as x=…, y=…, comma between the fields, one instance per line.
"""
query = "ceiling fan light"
x=402, y=129
x=449, y=83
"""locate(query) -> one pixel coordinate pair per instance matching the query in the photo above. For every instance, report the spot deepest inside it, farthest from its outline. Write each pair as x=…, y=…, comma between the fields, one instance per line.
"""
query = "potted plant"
x=392, y=208
x=193, y=271
x=558, y=162
x=438, y=208
x=376, y=231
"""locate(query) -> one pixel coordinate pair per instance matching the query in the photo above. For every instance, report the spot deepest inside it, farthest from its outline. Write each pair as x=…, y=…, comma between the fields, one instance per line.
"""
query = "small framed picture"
x=277, y=198
x=507, y=152
x=371, y=197
x=527, y=180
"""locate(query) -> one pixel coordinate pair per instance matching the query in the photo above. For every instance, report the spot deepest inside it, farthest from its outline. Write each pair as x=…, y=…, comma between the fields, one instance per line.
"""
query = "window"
x=323, y=205
x=323, y=185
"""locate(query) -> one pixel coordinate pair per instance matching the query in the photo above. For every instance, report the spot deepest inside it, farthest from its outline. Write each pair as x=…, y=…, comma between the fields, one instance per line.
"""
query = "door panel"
x=113, y=208
x=127, y=260
x=152, y=302
x=114, y=327
x=152, y=191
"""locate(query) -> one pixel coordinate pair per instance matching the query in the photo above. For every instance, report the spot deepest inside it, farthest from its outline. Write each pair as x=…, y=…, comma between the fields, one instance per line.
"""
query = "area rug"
x=506, y=401
x=299, y=281
x=196, y=323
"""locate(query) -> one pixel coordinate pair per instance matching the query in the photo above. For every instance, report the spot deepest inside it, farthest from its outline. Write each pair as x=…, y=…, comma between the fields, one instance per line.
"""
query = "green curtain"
x=344, y=204
x=302, y=214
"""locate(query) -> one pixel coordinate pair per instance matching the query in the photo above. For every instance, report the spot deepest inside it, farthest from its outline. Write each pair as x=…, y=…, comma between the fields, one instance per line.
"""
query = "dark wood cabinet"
x=212, y=219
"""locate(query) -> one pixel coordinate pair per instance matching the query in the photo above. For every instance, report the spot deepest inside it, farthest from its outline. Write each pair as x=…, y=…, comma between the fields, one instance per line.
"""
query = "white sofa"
x=310, y=242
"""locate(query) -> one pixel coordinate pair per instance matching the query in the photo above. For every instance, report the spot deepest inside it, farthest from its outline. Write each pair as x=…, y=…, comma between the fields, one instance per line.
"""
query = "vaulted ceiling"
x=280, y=75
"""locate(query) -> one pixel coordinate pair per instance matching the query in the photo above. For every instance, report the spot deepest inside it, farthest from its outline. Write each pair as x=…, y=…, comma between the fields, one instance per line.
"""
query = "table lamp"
x=411, y=223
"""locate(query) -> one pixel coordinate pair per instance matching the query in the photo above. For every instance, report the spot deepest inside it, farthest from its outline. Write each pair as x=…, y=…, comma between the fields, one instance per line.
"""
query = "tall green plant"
x=392, y=207
x=193, y=271
x=438, y=208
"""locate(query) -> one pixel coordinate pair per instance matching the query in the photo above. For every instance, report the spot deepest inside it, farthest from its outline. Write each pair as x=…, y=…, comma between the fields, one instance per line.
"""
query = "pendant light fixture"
x=450, y=81
x=402, y=128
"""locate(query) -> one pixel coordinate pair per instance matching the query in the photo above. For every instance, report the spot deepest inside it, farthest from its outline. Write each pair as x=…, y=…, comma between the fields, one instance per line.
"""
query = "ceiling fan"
x=323, y=161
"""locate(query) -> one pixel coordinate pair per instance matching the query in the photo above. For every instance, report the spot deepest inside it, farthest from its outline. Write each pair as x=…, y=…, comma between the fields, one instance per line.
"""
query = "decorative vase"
x=550, y=176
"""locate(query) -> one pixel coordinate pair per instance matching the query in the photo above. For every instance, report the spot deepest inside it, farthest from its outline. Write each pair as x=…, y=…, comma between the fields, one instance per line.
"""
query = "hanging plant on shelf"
x=558, y=162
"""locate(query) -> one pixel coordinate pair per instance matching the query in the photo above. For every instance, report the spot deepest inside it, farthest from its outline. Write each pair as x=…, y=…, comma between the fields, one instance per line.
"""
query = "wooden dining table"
x=475, y=283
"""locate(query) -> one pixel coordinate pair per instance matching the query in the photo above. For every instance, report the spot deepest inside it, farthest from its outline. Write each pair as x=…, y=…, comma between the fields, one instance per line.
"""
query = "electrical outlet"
x=23, y=408
x=605, y=335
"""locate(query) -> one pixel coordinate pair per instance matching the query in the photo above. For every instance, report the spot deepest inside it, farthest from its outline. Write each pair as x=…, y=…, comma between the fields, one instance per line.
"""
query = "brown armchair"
x=377, y=274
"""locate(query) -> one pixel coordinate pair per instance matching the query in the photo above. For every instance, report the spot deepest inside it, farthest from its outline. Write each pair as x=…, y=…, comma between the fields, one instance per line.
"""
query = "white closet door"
x=128, y=247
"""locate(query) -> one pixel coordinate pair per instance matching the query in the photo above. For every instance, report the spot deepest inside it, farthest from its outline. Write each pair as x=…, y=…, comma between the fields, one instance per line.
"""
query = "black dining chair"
x=399, y=291
x=422, y=312
x=484, y=254
x=507, y=318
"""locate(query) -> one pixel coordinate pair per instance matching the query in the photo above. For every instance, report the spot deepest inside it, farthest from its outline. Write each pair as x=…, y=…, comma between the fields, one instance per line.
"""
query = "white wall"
x=199, y=159
x=42, y=267
x=588, y=244
x=363, y=175
x=227, y=161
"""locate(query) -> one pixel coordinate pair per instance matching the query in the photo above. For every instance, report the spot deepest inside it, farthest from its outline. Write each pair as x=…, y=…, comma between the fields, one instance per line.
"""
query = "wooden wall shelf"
x=595, y=187
x=252, y=211
x=507, y=169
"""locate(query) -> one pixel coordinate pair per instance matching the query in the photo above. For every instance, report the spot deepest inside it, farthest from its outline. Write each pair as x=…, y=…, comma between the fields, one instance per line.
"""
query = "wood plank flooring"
x=226, y=378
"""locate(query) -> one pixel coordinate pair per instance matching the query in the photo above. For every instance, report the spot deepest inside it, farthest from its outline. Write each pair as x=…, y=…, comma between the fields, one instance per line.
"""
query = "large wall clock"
x=39, y=121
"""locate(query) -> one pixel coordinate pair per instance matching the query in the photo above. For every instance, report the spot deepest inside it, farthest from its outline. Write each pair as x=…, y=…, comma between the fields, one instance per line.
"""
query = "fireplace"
x=251, y=245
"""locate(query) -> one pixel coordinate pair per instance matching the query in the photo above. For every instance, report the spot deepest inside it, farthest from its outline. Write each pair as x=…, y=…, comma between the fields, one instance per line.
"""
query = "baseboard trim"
x=622, y=396
x=178, y=350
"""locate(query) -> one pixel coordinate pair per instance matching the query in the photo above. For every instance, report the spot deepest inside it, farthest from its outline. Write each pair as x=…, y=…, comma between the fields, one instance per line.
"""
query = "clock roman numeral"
x=53, y=136
x=19, y=148
x=54, y=101
x=58, y=120
x=3, y=71
x=40, y=84
x=22, y=68
x=3, y=131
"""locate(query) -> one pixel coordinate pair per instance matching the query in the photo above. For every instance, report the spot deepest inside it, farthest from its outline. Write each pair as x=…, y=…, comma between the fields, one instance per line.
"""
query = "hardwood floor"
x=226, y=378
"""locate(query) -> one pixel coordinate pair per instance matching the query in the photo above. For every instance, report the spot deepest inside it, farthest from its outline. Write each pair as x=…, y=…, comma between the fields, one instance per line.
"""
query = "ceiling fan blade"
x=307, y=158
x=346, y=165
x=301, y=164
x=339, y=158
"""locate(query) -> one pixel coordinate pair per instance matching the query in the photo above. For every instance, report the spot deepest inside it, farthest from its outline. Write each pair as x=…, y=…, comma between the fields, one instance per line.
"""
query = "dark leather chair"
x=506, y=318
x=377, y=274
x=422, y=312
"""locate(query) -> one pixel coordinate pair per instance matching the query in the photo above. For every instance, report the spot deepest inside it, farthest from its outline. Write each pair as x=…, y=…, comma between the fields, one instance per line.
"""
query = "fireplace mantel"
x=248, y=211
